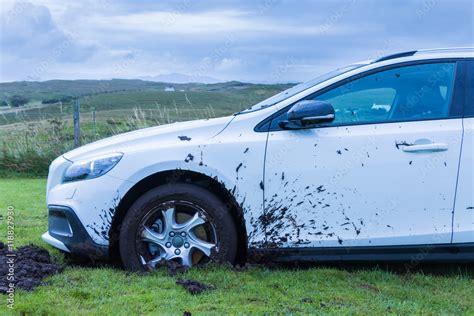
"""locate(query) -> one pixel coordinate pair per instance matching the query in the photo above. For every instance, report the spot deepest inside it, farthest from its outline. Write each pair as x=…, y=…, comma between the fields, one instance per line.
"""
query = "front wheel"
x=180, y=222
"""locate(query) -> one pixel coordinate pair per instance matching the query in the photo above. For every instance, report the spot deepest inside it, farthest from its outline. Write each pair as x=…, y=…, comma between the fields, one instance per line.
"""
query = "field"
x=122, y=96
x=33, y=135
x=444, y=289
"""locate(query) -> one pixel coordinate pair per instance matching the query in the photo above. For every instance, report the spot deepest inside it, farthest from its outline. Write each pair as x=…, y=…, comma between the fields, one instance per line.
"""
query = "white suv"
x=373, y=161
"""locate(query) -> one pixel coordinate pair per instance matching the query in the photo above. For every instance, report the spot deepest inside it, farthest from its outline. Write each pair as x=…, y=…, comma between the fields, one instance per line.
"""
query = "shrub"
x=18, y=100
x=50, y=101
x=31, y=149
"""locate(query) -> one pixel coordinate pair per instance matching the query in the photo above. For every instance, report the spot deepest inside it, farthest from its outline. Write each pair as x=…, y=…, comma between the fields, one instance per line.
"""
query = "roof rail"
x=397, y=55
x=449, y=49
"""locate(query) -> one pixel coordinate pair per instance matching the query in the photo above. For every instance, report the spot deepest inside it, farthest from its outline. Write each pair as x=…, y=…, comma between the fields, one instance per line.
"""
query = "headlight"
x=91, y=168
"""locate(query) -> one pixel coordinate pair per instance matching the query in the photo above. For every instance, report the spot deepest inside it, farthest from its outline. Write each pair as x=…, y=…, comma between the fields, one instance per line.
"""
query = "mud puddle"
x=25, y=267
x=194, y=287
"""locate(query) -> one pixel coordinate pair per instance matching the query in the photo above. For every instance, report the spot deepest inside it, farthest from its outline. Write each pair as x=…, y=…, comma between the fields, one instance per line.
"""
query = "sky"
x=252, y=41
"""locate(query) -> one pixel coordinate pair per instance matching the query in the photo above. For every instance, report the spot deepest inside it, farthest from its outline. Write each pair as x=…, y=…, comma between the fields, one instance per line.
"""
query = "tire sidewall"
x=216, y=212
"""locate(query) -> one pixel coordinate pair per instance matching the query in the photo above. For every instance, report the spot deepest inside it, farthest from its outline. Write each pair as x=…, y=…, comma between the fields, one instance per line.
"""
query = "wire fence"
x=118, y=116
x=31, y=138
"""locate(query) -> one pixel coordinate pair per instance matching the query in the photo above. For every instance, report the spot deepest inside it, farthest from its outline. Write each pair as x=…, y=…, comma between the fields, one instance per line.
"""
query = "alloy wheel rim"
x=164, y=238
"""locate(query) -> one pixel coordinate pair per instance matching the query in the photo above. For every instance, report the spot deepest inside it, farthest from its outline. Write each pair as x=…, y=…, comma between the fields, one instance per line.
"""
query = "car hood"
x=164, y=135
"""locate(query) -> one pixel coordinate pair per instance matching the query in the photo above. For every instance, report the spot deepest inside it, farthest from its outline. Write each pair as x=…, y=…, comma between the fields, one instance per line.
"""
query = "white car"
x=373, y=161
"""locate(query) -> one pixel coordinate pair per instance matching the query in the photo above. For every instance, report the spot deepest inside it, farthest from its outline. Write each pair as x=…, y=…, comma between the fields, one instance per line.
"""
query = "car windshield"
x=299, y=88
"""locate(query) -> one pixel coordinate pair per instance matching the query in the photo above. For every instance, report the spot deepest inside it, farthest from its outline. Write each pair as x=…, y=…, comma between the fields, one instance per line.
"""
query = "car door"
x=382, y=173
x=463, y=224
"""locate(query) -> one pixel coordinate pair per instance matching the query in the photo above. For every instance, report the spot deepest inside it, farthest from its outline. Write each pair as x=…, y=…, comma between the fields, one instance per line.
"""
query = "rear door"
x=383, y=173
x=463, y=222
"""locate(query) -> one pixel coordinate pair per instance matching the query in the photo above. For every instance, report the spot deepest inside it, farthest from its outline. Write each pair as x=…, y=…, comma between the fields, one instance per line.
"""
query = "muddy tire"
x=180, y=222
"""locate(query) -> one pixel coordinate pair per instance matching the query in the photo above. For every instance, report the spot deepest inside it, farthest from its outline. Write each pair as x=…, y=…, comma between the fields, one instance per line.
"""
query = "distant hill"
x=118, y=98
x=43, y=90
x=180, y=78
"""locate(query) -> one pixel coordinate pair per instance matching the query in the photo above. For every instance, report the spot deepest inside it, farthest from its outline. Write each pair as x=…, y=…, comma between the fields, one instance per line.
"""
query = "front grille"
x=58, y=224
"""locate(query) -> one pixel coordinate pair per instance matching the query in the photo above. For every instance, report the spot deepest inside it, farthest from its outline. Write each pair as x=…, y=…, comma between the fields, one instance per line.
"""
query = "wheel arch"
x=171, y=177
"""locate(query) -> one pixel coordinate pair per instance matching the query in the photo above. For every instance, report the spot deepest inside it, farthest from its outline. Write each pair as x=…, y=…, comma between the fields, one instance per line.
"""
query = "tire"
x=219, y=228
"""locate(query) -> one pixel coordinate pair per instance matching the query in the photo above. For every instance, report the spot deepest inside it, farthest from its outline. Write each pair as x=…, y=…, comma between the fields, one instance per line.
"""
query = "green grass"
x=31, y=137
x=122, y=96
x=327, y=290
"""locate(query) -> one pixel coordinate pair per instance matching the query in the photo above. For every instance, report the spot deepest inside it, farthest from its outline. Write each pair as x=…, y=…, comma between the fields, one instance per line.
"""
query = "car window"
x=299, y=88
x=407, y=93
x=469, y=104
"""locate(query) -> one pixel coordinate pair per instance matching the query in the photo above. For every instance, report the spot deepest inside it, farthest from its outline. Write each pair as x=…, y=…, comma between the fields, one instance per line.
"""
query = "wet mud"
x=173, y=267
x=194, y=287
x=25, y=268
x=189, y=158
x=102, y=228
x=184, y=138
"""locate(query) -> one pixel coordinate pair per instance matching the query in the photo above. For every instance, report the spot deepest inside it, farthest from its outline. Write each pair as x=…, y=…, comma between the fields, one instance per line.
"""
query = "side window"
x=407, y=93
x=469, y=103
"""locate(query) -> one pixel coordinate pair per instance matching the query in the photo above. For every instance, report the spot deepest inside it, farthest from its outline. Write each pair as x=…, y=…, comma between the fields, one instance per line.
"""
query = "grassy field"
x=33, y=135
x=447, y=289
x=122, y=96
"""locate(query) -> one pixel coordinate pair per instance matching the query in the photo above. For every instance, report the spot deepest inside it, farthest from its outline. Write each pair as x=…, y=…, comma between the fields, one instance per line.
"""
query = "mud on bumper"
x=67, y=233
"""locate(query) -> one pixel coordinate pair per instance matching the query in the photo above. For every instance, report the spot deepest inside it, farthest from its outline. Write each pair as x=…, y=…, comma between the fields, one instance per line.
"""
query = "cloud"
x=261, y=40
x=30, y=35
x=228, y=64
x=209, y=22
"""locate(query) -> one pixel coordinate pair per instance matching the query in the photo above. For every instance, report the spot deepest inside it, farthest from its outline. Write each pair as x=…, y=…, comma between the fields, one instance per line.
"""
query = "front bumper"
x=47, y=238
x=66, y=232
x=80, y=213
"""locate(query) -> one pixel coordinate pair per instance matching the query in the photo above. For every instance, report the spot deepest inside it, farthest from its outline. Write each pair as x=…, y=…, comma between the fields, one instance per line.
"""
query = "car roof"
x=435, y=53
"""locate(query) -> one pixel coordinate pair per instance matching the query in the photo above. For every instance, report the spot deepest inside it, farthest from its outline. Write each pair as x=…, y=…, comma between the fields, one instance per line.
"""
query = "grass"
x=316, y=289
x=225, y=98
x=31, y=137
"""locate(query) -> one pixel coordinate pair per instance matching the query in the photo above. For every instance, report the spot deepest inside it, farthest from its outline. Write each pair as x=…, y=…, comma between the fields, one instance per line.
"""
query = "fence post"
x=77, y=124
x=94, y=123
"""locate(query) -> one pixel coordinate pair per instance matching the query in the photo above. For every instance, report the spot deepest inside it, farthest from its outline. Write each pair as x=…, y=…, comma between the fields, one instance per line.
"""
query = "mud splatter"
x=238, y=167
x=261, y=185
x=184, y=138
x=173, y=267
x=201, y=163
x=403, y=143
x=189, y=158
x=32, y=265
x=339, y=152
x=106, y=216
x=194, y=287
x=246, y=150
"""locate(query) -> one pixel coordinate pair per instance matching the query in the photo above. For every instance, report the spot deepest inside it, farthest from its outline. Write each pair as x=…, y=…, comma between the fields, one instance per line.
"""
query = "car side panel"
x=234, y=158
x=93, y=201
x=356, y=186
x=463, y=224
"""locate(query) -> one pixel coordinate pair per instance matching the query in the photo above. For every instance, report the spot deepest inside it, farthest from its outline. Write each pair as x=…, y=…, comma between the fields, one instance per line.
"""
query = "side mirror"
x=308, y=114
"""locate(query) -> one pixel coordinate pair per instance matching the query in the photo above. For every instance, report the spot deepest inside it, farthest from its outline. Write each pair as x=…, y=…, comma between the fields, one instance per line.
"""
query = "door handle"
x=433, y=147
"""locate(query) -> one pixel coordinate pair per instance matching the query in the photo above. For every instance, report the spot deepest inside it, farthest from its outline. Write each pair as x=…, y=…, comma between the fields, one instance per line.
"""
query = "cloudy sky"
x=257, y=41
